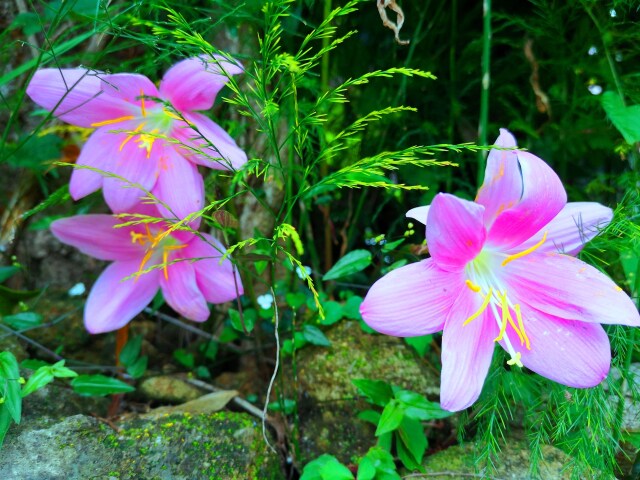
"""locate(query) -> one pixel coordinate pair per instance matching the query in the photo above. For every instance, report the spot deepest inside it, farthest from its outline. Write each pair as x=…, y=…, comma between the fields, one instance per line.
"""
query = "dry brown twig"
x=395, y=26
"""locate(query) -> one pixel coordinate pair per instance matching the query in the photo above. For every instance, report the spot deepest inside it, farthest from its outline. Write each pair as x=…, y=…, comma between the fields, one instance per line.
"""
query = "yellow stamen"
x=129, y=137
x=482, y=308
x=515, y=360
x=472, y=285
x=503, y=324
x=170, y=114
x=516, y=307
x=112, y=121
x=525, y=252
x=144, y=110
x=165, y=256
x=145, y=259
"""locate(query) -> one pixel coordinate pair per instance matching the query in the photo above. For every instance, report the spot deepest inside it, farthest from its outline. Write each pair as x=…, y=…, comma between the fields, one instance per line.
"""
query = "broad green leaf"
x=378, y=392
x=420, y=344
x=137, y=368
x=370, y=416
x=185, y=358
x=326, y=467
x=295, y=300
x=412, y=435
x=315, y=336
x=333, y=312
x=385, y=441
x=352, y=307
x=60, y=371
x=99, y=385
x=630, y=261
x=131, y=350
x=5, y=422
x=351, y=263
x=418, y=407
x=391, y=417
x=33, y=364
x=625, y=119
x=23, y=320
x=391, y=246
x=383, y=462
x=286, y=406
x=405, y=455
x=39, y=379
x=9, y=386
x=249, y=320
x=8, y=272
x=366, y=470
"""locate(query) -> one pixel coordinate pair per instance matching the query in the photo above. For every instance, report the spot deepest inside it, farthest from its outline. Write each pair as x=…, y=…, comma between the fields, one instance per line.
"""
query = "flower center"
x=483, y=278
x=155, y=246
x=155, y=121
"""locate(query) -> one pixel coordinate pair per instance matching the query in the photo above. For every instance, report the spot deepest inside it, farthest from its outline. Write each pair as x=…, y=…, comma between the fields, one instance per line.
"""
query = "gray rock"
x=178, y=447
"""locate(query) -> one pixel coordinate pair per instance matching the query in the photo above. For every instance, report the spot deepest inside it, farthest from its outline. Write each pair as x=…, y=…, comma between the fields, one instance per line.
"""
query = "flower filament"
x=153, y=244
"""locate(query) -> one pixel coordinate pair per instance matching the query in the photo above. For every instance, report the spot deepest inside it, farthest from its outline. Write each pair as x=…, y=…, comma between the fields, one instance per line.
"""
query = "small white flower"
x=265, y=301
x=300, y=273
x=77, y=290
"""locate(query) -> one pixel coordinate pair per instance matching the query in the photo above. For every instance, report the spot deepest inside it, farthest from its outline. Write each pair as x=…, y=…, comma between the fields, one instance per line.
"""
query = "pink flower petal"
x=96, y=153
x=129, y=87
x=193, y=84
x=208, y=144
x=455, y=231
x=74, y=95
x=502, y=186
x=412, y=300
x=568, y=288
x=543, y=197
x=466, y=352
x=135, y=164
x=419, y=213
x=180, y=186
x=214, y=280
x=112, y=303
x=575, y=225
x=181, y=291
x=96, y=235
x=575, y=354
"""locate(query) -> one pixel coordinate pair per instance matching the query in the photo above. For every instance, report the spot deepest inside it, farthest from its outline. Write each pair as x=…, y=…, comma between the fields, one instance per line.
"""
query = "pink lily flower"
x=188, y=268
x=501, y=271
x=150, y=136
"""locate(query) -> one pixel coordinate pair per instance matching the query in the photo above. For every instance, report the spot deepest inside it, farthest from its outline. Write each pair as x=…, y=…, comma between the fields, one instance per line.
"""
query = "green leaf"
x=420, y=344
x=405, y=455
x=33, y=364
x=315, y=336
x=9, y=298
x=412, y=436
x=625, y=119
x=8, y=272
x=366, y=470
x=5, y=422
x=385, y=441
x=9, y=386
x=36, y=151
x=137, y=368
x=295, y=300
x=332, y=312
x=418, y=407
x=237, y=321
x=378, y=392
x=391, y=246
x=391, y=418
x=383, y=462
x=60, y=371
x=326, y=467
x=351, y=263
x=131, y=351
x=370, y=416
x=99, y=385
x=630, y=261
x=39, y=379
x=185, y=358
x=352, y=308
x=23, y=320
x=287, y=406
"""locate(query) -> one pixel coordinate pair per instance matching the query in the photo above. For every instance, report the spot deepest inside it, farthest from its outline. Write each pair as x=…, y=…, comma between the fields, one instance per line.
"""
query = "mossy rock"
x=328, y=401
x=219, y=446
x=513, y=463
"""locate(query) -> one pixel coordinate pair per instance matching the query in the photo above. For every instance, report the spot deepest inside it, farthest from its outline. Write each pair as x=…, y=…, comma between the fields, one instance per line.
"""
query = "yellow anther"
x=144, y=261
x=112, y=121
x=510, y=258
x=472, y=286
x=482, y=308
x=165, y=256
x=170, y=114
x=129, y=137
x=515, y=360
x=144, y=110
x=524, y=336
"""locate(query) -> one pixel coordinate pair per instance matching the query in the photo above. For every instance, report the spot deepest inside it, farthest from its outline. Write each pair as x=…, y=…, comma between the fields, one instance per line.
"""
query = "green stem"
x=486, y=82
x=452, y=87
